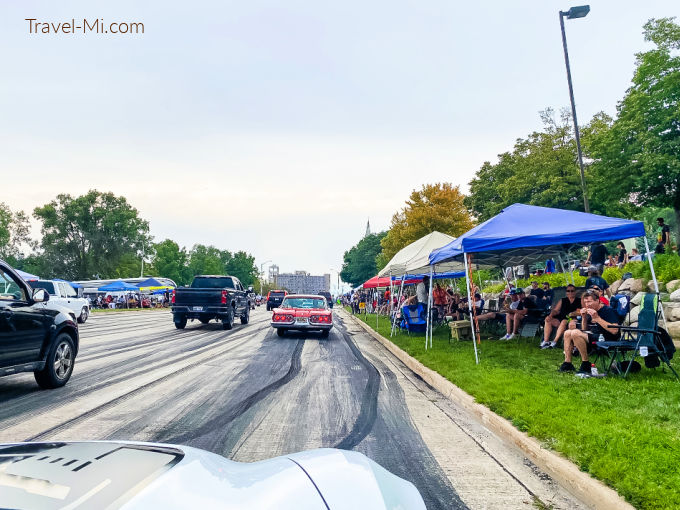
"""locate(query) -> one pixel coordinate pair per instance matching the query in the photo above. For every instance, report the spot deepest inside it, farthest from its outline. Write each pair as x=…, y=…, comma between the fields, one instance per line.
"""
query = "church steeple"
x=368, y=228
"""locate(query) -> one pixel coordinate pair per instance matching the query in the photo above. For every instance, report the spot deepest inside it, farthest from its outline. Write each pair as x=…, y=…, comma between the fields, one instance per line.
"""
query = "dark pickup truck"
x=211, y=297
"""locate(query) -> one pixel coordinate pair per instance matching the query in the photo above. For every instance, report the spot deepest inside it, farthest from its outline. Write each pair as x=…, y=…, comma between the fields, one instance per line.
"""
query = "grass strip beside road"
x=626, y=433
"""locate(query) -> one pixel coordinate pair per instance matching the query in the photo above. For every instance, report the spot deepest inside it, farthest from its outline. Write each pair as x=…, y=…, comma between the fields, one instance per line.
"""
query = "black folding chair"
x=645, y=340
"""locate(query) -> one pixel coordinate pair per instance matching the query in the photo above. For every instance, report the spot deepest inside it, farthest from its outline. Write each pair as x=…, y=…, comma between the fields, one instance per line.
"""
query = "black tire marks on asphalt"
x=220, y=422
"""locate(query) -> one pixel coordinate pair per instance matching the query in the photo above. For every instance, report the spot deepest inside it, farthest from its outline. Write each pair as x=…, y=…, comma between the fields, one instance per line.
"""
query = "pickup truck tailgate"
x=190, y=297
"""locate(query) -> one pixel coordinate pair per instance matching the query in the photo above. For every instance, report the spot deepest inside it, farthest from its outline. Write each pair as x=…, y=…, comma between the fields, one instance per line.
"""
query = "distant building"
x=301, y=282
x=273, y=274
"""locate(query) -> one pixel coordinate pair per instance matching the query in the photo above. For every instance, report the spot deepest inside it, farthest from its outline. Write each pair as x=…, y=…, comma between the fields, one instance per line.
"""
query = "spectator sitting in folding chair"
x=597, y=319
x=547, y=299
x=595, y=280
x=510, y=302
x=567, y=308
x=513, y=318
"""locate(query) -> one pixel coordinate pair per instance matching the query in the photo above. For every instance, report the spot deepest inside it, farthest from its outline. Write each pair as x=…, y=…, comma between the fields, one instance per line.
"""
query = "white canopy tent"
x=414, y=259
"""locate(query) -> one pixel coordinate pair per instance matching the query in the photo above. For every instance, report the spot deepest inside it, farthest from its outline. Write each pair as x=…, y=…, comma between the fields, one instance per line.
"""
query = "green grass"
x=623, y=432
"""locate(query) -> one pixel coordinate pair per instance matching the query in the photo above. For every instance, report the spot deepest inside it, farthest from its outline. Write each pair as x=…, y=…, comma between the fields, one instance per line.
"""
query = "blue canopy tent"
x=150, y=282
x=521, y=234
x=118, y=286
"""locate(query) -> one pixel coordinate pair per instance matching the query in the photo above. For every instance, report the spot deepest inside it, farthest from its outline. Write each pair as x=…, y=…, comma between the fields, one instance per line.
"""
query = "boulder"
x=671, y=311
x=674, y=329
x=637, y=299
x=633, y=315
x=672, y=285
x=631, y=285
x=614, y=287
x=650, y=286
x=675, y=296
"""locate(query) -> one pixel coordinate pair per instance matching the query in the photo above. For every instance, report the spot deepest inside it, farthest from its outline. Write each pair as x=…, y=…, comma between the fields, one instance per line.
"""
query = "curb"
x=586, y=488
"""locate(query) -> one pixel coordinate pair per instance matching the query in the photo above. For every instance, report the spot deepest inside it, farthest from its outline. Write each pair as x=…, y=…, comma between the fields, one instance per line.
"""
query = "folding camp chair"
x=414, y=319
x=645, y=340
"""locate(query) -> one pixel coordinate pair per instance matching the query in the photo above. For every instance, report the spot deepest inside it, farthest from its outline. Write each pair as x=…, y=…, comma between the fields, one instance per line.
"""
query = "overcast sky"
x=281, y=127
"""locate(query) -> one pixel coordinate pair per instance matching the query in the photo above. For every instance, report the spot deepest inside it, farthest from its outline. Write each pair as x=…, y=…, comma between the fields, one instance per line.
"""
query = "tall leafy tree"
x=88, y=236
x=205, y=260
x=359, y=262
x=170, y=261
x=542, y=169
x=638, y=159
x=437, y=207
x=14, y=233
x=242, y=265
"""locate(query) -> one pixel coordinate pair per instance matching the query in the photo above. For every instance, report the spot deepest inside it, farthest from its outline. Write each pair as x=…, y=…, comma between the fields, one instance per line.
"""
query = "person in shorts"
x=598, y=319
x=566, y=309
x=663, y=236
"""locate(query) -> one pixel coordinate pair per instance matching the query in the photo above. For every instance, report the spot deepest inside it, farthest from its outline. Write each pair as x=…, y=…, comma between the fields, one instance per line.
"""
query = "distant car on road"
x=274, y=298
x=136, y=476
x=303, y=312
x=34, y=338
x=251, y=300
x=328, y=297
x=211, y=297
x=62, y=294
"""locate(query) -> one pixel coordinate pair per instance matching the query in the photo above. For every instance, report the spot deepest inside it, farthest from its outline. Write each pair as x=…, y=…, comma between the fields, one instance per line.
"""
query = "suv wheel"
x=181, y=323
x=84, y=314
x=59, y=363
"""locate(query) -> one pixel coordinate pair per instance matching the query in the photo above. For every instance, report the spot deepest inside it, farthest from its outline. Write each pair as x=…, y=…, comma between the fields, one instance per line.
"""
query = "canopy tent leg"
x=566, y=278
x=656, y=284
x=467, y=283
x=429, y=309
x=394, y=319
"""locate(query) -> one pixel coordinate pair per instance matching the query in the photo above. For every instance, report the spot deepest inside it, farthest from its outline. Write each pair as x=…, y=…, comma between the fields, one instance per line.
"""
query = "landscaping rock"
x=672, y=311
x=673, y=285
x=650, y=286
x=674, y=329
x=614, y=287
x=633, y=315
x=632, y=285
x=675, y=296
x=637, y=299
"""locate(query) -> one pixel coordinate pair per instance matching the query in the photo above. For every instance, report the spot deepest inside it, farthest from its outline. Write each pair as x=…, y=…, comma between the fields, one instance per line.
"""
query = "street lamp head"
x=580, y=11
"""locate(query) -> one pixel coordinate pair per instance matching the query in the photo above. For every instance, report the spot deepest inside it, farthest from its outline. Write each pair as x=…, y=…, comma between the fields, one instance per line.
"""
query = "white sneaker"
x=553, y=345
x=504, y=337
x=511, y=336
x=544, y=344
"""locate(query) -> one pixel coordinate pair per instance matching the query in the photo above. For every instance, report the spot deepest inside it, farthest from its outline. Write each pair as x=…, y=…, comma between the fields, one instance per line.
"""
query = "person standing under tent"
x=622, y=257
x=663, y=236
x=597, y=256
x=550, y=266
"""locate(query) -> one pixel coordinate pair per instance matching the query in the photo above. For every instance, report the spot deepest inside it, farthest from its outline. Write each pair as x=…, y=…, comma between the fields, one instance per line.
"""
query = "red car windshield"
x=306, y=302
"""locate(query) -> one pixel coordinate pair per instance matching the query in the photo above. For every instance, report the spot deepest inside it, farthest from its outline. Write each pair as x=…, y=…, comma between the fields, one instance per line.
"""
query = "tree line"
x=99, y=236
x=632, y=165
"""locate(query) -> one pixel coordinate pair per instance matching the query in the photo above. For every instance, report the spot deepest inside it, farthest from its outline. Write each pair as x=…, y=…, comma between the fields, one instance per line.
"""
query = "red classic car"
x=303, y=312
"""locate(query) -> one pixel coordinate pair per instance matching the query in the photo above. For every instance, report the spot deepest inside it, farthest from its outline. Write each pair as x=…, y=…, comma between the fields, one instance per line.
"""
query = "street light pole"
x=575, y=12
x=262, y=274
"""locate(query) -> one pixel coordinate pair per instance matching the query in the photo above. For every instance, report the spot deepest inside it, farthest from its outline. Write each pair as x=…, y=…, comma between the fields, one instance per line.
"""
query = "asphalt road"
x=249, y=395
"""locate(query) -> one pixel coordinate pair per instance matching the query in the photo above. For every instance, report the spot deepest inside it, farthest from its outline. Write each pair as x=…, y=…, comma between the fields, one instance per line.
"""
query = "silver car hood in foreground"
x=132, y=476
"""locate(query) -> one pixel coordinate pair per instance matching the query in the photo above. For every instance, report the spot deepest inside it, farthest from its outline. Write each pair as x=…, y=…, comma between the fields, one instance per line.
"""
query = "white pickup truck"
x=63, y=295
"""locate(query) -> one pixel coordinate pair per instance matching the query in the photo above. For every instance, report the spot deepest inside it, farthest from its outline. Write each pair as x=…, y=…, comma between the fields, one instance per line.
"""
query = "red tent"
x=385, y=282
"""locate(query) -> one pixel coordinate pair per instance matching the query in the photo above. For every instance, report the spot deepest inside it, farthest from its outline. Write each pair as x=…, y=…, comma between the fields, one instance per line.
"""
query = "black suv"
x=34, y=338
x=275, y=298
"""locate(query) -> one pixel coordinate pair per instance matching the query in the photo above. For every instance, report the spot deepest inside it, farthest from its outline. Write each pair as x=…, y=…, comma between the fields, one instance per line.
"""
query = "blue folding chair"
x=414, y=318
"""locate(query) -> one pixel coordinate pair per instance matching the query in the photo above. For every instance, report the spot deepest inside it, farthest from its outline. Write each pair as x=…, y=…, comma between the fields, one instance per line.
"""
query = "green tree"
x=542, y=169
x=242, y=265
x=436, y=207
x=205, y=260
x=170, y=261
x=359, y=262
x=14, y=234
x=89, y=235
x=638, y=159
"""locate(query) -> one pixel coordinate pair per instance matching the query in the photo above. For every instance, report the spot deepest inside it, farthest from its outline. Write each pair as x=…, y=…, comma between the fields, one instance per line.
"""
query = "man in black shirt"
x=595, y=280
x=597, y=255
x=598, y=319
x=663, y=236
x=566, y=309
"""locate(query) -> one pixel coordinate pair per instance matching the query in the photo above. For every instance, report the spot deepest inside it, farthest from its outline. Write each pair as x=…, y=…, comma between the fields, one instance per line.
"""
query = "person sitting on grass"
x=598, y=319
x=567, y=308
x=513, y=318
